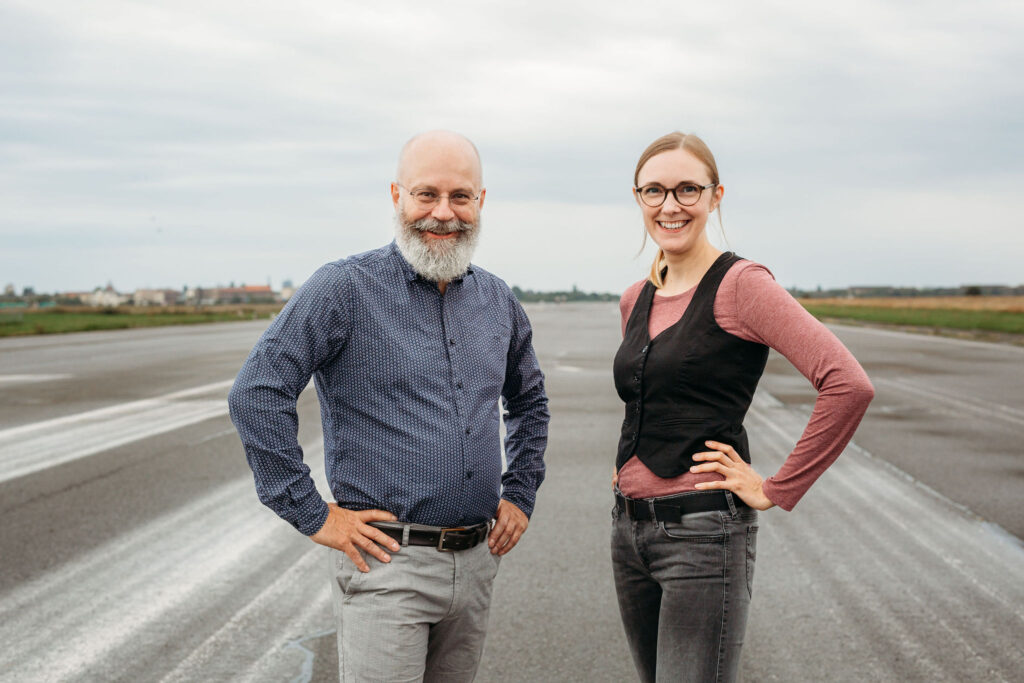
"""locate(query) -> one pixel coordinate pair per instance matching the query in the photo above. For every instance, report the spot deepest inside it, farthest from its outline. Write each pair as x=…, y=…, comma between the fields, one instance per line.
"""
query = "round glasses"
x=428, y=199
x=685, y=194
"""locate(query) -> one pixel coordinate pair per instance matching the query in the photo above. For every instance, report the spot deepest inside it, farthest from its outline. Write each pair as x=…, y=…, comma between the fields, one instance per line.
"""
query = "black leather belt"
x=672, y=508
x=444, y=539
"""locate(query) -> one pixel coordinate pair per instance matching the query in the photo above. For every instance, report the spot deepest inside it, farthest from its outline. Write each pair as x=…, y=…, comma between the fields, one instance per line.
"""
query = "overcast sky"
x=173, y=143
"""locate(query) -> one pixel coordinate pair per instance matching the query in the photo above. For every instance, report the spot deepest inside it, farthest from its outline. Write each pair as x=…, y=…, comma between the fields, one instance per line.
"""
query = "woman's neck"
x=686, y=270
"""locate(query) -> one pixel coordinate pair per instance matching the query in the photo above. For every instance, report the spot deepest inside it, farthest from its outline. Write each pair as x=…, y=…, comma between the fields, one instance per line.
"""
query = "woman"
x=696, y=336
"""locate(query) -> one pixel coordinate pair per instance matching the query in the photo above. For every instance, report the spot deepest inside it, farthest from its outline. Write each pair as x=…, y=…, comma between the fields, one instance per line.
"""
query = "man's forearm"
x=267, y=422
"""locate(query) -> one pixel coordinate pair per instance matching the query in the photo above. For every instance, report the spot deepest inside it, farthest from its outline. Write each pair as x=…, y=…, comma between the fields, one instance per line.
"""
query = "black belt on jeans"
x=672, y=508
x=446, y=539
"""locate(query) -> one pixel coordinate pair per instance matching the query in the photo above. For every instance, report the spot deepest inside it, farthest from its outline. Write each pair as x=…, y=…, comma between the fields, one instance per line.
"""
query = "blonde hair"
x=666, y=143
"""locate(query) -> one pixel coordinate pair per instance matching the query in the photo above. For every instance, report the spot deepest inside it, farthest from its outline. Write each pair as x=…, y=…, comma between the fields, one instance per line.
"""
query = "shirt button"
x=469, y=475
x=467, y=430
x=458, y=384
x=452, y=342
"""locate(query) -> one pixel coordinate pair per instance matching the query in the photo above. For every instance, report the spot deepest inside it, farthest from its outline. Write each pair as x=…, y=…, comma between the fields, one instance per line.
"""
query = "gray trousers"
x=684, y=592
x=420, y=617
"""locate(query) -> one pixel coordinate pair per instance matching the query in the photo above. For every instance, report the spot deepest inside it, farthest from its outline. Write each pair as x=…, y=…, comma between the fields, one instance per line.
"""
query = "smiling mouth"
x=440, y=236
x=674, y=225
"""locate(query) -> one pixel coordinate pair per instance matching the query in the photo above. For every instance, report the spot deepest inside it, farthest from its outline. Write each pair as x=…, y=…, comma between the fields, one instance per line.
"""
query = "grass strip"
x=57, y=322
x=989, y=321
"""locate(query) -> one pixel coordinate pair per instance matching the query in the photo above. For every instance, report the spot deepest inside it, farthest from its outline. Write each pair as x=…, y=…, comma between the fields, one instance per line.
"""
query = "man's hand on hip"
x=509, y=526
x=349, y=531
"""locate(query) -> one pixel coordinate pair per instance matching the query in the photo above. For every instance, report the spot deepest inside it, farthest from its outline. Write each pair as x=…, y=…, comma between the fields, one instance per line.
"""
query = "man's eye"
x=425, y=196
x=461, y=197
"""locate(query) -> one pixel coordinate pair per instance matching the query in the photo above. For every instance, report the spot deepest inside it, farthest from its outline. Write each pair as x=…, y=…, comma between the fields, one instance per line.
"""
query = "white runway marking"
x=959, y=404
x=929, y=338
x=132, y=588
x=41, y=445
x=28, y=379
x=568, y=368
x=880, y=548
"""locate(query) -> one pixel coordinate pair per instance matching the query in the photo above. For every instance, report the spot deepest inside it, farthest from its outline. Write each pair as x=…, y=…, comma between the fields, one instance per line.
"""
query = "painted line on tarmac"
x=120, y=596
x=929, y=338
x=882, y=548
x=960, y=404
x=29, y=379
x=31, y=448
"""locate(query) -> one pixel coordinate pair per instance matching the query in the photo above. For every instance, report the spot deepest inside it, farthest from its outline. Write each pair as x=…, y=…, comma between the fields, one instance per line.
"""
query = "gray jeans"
x=420, y=617
x=684, y=592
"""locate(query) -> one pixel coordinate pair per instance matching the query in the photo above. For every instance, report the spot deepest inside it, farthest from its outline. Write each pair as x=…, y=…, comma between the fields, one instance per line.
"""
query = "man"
x=410, y=347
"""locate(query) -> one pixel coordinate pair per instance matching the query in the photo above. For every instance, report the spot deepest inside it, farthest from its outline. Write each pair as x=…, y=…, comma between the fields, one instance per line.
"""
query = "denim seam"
x=725, y=608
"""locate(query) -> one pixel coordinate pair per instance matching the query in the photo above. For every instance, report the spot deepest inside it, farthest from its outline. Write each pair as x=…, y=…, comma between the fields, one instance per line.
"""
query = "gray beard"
x=437, y=260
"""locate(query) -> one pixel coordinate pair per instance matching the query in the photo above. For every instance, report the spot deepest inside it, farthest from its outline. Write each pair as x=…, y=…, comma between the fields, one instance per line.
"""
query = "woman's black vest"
x=690, y=384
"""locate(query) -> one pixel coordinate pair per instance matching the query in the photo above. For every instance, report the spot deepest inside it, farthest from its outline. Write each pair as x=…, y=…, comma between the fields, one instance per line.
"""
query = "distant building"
x=246, y=294
x=75, y=297
x=156, y=297
x=107, y=297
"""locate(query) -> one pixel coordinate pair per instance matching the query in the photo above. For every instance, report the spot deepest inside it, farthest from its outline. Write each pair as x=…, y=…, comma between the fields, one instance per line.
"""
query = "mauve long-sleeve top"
x=751, y=305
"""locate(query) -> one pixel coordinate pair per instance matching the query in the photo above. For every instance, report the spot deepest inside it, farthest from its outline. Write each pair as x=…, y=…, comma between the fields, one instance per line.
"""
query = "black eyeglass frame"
x=675, y=195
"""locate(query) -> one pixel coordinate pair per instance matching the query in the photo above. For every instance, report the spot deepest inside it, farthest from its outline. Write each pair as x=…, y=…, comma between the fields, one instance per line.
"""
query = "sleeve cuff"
x=520, y=500
x=310, y=518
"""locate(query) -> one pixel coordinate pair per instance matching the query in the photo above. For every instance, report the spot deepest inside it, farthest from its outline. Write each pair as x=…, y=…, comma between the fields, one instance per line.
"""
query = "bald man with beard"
x=411, y=348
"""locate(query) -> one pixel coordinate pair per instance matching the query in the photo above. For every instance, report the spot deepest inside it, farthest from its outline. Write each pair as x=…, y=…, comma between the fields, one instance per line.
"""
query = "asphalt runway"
x=133, y=546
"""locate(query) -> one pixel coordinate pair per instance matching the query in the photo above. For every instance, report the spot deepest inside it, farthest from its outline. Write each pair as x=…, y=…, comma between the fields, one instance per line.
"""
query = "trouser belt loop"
x=731, y=502
x=405, y=535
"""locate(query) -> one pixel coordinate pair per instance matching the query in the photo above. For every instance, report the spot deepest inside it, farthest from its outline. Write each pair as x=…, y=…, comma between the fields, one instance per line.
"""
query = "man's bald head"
x=436, y=151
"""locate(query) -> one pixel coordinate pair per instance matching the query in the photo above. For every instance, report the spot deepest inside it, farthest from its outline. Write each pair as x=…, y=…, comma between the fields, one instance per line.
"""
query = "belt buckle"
x=440, y=540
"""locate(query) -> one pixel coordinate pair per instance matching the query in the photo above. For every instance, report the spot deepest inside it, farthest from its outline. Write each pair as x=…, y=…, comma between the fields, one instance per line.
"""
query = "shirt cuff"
x=520, y=499
x=311, y=516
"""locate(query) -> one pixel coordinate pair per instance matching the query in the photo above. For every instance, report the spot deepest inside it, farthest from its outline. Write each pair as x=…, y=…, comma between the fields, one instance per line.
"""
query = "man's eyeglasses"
x=686, y=194
x=428, y=199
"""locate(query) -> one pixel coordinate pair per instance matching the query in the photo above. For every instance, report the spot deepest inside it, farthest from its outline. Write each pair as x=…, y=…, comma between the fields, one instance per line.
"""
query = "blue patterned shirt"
x=409, y=384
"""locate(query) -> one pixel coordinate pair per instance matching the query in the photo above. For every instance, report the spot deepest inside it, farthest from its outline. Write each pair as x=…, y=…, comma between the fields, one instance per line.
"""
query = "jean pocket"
x=697, y=527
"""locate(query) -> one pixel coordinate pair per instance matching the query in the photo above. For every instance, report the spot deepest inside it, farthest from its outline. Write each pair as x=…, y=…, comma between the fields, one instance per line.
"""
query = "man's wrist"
x=310, y=521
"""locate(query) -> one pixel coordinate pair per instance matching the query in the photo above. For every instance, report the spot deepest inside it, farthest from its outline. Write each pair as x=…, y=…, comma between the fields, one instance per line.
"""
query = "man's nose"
x=443, y=210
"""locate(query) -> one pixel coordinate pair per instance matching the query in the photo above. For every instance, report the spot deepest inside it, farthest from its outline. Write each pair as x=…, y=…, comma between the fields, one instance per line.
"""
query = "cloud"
x=236, y=126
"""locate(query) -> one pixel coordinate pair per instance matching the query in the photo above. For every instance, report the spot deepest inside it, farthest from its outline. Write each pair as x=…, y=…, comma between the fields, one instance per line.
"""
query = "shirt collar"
x=409, y=272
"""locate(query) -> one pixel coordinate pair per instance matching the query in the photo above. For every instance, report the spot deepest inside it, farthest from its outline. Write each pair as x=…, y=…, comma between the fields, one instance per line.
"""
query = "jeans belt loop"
x=654, y=513
x=731, y=502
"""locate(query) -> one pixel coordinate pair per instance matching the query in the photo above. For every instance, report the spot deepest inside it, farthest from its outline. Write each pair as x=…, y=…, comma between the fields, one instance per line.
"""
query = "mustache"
x=429, y=224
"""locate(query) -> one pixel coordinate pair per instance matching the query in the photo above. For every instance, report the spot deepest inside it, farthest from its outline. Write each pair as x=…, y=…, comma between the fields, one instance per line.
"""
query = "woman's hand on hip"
x=740, y=478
